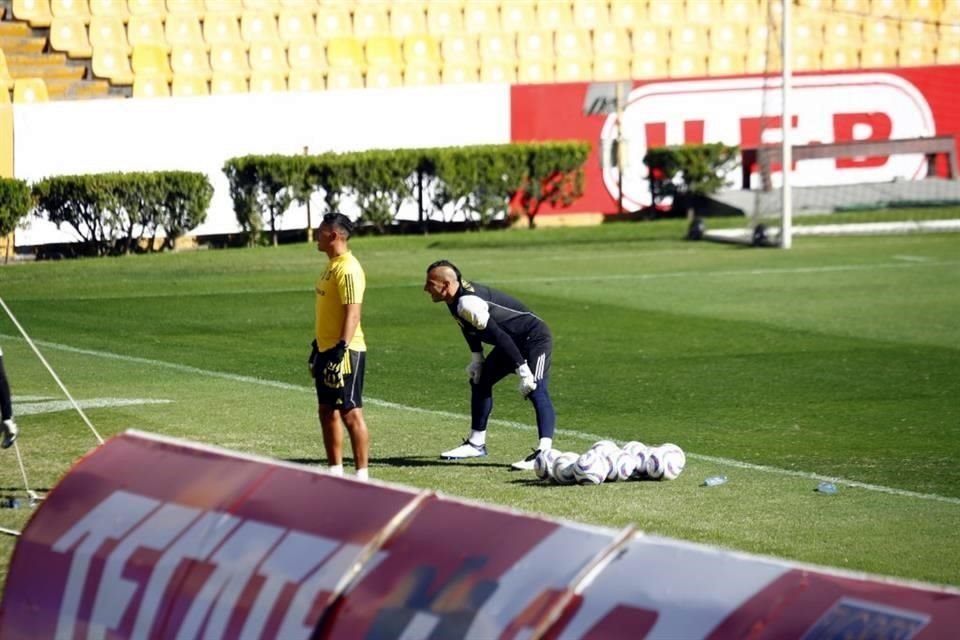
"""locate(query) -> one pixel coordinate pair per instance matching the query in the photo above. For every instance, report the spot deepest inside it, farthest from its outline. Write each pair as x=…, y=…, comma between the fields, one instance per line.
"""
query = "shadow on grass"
x=401, y=461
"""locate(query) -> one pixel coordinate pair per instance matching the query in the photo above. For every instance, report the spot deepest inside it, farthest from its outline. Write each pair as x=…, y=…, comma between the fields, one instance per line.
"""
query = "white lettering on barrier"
x=237, y=549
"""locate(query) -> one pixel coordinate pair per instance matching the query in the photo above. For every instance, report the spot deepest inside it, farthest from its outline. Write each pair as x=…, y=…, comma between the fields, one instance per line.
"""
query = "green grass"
x=838, y=358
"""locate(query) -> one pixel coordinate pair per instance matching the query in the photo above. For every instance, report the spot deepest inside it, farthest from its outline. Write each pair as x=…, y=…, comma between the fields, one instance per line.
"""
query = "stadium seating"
x=30, y=90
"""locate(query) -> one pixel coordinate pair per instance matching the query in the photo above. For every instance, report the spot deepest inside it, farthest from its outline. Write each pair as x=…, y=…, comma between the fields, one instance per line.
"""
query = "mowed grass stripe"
x=581, y=435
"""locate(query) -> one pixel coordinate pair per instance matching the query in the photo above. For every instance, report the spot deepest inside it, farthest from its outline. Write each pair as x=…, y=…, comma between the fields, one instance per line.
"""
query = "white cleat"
x=527, y=463
x=10, y=432
x=466, y=450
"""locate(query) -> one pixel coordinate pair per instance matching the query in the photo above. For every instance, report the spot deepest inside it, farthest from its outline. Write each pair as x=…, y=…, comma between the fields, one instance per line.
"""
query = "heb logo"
x=825, y=108
x=140, y=567
x=850, y=618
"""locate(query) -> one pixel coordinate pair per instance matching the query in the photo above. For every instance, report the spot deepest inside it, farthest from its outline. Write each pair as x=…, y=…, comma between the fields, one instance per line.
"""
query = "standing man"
x=338, y=357
x=520, y=341
x=9, y=427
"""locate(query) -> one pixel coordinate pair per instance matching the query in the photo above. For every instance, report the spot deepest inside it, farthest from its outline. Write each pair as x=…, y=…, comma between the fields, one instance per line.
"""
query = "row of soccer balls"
x=605, y=461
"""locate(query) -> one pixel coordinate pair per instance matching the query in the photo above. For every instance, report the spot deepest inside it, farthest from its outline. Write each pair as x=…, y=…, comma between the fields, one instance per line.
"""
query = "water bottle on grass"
x=713, y=481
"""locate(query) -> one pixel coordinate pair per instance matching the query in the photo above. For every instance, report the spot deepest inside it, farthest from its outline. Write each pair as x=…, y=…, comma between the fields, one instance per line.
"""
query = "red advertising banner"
x=149, y=537
x=827, y=107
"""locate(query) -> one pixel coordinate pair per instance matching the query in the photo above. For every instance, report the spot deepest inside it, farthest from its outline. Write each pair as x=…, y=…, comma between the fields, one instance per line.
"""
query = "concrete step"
x=37, y=59
x=15, y=29
x=47, y=71
x=79, y=89
x=23, y=45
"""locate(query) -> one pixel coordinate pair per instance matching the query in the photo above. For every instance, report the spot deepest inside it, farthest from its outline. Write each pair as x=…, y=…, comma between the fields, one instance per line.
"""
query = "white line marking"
x=912, y=258
x=36, y=408
x=581, y=435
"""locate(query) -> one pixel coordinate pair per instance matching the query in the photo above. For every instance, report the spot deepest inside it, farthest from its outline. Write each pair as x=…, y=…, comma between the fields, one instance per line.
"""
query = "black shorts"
x=350, y=395
x=538, y=351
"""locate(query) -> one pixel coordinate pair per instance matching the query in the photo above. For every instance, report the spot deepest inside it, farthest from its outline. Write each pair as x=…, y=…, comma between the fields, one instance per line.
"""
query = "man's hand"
x=313, y=359
x=332, y=372
x=528, y=383
x=475, y=368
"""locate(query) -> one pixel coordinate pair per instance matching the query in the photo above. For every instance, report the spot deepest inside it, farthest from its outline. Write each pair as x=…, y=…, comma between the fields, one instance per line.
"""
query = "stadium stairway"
x=26, y=54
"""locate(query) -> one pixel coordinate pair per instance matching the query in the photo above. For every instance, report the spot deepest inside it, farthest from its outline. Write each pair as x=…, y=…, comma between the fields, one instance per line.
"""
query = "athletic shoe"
x=9, y=433
x=466, y=450
x=527, y=463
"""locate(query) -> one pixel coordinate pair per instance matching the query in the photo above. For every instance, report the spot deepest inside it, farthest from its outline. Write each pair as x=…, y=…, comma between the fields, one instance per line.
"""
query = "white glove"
x=527, y=382
x=475, y=368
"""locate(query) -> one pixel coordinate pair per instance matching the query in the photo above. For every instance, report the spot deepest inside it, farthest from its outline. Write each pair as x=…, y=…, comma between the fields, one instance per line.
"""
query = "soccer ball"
x=591, y=468
x=633, y=447
x=603, y=445
x=654, y=464
x=624, y=465
x=543, y=464
x=640, y=453
x=672, y=459
x=563, y=468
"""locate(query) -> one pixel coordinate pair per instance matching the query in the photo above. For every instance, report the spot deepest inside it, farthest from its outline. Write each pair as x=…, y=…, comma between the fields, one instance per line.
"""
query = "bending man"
x=521, y=343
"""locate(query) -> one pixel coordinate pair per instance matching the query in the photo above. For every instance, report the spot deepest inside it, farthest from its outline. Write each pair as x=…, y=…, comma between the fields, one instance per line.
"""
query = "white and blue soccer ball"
x=591, y=468
x=665, y=462
x=603, y=445
x=543, y=464
x=640, y=453
x=624, y=466
x=563, y=468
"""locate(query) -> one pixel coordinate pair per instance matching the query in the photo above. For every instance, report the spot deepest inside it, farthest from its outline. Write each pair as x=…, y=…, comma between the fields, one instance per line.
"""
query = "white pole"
x=786, y=216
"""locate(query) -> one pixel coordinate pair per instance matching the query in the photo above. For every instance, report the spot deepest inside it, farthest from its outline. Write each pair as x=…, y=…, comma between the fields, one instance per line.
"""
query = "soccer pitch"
x=835, y=360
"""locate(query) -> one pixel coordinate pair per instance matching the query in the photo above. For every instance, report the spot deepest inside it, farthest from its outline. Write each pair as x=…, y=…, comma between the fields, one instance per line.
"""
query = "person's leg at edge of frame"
x=8, y=428
x=359, y=441
x=332, y=438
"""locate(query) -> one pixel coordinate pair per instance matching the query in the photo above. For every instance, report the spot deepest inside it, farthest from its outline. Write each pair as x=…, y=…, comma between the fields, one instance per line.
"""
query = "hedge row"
x=476, y=184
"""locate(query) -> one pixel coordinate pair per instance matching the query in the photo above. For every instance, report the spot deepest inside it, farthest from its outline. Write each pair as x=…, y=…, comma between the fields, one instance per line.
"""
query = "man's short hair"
x=339, y=221
x=445, y=263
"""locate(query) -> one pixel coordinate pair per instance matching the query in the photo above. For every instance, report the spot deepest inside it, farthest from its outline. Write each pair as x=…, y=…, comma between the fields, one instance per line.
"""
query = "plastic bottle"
x=713, y=481
x=827, y=488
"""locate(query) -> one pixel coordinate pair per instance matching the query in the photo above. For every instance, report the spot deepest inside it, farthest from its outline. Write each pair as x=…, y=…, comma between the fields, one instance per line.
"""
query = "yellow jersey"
x=342, y=282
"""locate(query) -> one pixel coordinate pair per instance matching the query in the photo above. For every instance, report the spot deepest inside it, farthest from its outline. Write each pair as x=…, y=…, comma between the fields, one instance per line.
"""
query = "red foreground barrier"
x=149, y=537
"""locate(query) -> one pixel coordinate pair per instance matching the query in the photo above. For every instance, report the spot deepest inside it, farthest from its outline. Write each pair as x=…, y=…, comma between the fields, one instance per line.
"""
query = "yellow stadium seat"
x=704, y=12
x=70, y=9
x=108, y=31
x=263, y=81
x=344, y=78
x=460, y=48
x=294, y=24
x=840, y=57
x=665, y=12
x=689, y=38
x=685, y=65
x=370, y=20
x=306, y=80
x=147, y=30
x=535, y=72
x=186, y=86
x=190, y=60
x=221, y=28
x=407, y=18
x=421, y=48
x=590, y=14
x=649, y=67
x=950, y=11
x=741, y=12
x=268, y=56
x=650, y=39
x=334, y=21
x=893, y=8
x=552, y=15
x=262, y=5
x=382, y=77
x=155, y=8
x=762, y=61
x=481, y=16
x=30, y=90
x=628, y=13
x=459, y=72
x=573, y=70
x=842, y=31
x=806, y=59
x=949, y=32
x=225, y=83
x=498, y=71
x=148, y=86
x=222, y=6
x=880, y=30
x=535, y=45
x=878, y=55
x=148, y=59
x=259, y=26
x=345, y=52
x=497, y=47
x=192, y=8
x=109, y=9
x=948, y=53
x=607, y=69
x=725, y=63
x=69, y=35
x=760, y=38
x=861, y=7
x=299, y=4
x=113, y=64
x=229, y=58
x=728, y=37
x=305, y=54
x=517, y=16
x=383, y=51
x=444, y=18
x=183, y=29
x=918, y=31
x=420, y=74
x=911, y=54
x=612, y=42
x=926, y=9
x=6, y=80
x=36, y=12
x=573, y=42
